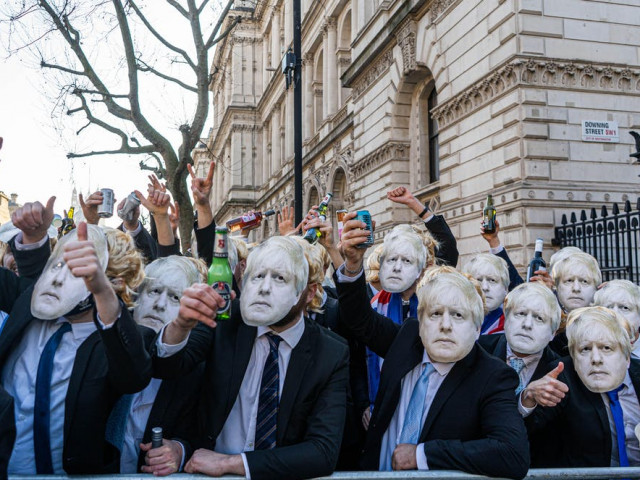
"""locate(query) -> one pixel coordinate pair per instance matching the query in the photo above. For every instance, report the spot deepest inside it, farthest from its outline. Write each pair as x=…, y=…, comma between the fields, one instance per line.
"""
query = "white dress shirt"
x=631, y=418
x=19, y=380
x=141, y=406
x=391, y=437
x=238, y=433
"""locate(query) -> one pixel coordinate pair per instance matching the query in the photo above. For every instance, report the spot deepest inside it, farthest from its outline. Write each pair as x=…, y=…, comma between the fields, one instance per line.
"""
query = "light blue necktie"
x=413, y=418
x=517, y=364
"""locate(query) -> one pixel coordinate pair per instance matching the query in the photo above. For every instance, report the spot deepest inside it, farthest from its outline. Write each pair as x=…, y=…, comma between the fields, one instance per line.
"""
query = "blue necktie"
x=616, y=413
x=413, y=418
x=517, y=364
x=267, y=418
x=42, y=406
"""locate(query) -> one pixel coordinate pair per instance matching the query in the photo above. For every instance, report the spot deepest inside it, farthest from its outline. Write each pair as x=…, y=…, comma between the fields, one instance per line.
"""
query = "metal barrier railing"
x=533, y=474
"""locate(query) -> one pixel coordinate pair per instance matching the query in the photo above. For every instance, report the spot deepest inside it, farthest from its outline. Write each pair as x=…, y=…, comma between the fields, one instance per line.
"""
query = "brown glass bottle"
x=247, y=221
x=489, y=216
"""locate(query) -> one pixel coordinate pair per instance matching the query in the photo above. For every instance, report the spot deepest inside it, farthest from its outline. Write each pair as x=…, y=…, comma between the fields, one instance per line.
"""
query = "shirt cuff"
x=182, y=460
x=524, y=411
x=107, y=327
x=135, y=232
x=247, y=473
x=421, y=457
x=31, y=246
x=496, y=250
x=165, y=350
x=429, y=218
x=343, y=278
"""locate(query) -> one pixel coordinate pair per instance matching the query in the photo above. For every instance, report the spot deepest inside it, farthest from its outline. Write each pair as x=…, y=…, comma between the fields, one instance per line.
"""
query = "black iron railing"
x=613, y=238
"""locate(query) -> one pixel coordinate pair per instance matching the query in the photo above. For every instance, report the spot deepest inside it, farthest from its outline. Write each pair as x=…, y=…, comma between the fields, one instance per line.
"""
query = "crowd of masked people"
x=335, y=357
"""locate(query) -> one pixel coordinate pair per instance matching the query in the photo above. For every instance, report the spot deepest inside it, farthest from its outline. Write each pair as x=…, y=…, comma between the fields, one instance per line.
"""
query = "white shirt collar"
x=442, y=368
x=291, y=335
x=80, y=331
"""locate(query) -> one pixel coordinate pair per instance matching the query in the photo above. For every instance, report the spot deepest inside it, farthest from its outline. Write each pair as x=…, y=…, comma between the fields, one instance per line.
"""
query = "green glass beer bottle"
x=489, y=216
x=314, y=234
x=220, y=276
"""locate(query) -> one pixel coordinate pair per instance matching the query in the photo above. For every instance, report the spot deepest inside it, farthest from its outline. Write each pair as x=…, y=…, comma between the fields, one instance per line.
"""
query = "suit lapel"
x=12, y=332
x=301, y=357
x=159, y=408
x=457, y=374
x=245, y=338
x=501, y=348
x=80, y=365
x=634, y=373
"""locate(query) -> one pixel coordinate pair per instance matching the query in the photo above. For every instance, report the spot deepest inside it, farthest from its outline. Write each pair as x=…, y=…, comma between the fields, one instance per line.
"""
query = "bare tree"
x=110, y=97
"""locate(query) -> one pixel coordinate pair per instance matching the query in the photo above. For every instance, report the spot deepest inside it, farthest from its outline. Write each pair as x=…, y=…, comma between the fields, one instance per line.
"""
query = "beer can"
x=105, y=209
x=365, y=216
x=340, y=215
x=130, y=204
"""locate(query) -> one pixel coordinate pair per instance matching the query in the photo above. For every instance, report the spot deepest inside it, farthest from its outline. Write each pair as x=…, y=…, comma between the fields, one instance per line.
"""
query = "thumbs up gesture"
x=82, y=261
x=547, y=391
x=33, y=219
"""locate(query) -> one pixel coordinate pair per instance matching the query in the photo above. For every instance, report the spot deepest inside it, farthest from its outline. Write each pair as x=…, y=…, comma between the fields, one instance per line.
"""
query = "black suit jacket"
x=447, y=252
x=7, y=430
x=580, y=421
x=514, y=277
x=312, y=406
x=473, y=423
x=544, y=443
x=108, y=363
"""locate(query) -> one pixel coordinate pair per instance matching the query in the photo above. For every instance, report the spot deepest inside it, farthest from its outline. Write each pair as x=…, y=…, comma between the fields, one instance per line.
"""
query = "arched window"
x=318, y=116
x=429, y=143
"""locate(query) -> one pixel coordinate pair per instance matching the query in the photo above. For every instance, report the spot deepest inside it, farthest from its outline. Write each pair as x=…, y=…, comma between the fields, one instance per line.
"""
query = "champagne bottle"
x=246, y=221
x=537, y=262
x=220, y=276
x=489, y=216
x=313, y=234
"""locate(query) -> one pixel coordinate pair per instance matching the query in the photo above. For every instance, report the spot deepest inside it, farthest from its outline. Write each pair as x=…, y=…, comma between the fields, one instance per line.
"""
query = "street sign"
x=600, y=131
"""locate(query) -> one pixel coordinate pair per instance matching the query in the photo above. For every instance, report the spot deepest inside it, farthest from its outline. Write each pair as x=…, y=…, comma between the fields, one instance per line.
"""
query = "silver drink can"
x=105, y=209
x=365, y=216
x=130, y=204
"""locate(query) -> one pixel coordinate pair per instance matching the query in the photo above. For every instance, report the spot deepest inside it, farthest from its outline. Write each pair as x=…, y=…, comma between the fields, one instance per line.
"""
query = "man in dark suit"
x=7, y=431
x=443, y=402
x=99, y=353
x=274, y=396
x=532, y=317
x=595, y=420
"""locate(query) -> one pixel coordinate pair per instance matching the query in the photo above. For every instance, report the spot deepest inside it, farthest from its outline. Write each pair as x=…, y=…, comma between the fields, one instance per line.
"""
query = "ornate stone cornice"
x=307, y=59
x=386, y=153
x=538, y=73
x=439, y=6
x=406, y=39
x=242, y=127
x=373, y=73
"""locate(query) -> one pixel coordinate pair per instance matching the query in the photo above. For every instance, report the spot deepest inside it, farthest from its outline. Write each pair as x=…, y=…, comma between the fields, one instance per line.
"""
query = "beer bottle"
x=313, y=234
x=246, y=221
x=489, y=216
x=67, y=223
x=220, y=276
x=537, y=262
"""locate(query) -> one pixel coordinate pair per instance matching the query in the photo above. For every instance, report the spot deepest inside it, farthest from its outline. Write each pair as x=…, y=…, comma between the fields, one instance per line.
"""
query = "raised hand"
x=403, y=196
x=547, y=391
x=157, y=202
x=201, y=187
x=34, y=219
x=354, y=233
x=155, y=184
x=544, y=277
x=174, y=216
x=133, y=223
x=90, y=207
x=81, y=259
x=286, y=220
x=164, y=460
x=491, y=238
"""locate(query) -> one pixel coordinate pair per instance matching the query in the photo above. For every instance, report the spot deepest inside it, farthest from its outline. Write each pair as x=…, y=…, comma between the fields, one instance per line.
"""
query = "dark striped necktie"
x=267, y=418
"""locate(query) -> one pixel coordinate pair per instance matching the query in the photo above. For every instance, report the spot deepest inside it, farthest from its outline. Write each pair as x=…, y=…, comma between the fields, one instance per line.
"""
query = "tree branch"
x=179, y=8
x=201, y=7
x=145, y=67
x=236, y=21
x=44, y=64
x=159, y=37
x=125, y=151
x=218, y=25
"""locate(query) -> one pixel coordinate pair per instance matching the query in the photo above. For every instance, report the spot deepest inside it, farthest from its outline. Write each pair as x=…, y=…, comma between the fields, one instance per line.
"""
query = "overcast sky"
x=33, y=159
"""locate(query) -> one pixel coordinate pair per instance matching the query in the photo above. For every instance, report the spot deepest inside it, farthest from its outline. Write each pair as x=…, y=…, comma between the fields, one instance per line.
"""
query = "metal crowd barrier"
x=533, y=474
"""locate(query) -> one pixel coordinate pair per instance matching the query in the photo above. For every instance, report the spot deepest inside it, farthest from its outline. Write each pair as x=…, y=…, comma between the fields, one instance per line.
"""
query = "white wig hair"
x=294, y=253
x=524, y=290
x=468, y=297
x=566, y=264
x=404, y=233
x=580, y=321
x=602, y=294
x=561, y=254
x=498, y=264
x=161, y=266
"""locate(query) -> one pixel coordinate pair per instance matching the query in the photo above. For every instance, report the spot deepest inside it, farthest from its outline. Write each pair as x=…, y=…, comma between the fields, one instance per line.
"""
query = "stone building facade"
x=453, y=98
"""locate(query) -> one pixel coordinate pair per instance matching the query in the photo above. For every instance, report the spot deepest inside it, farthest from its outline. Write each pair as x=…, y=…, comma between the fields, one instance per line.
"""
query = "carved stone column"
x=308, y=95
x=331, y=66
x=275, y=39
x=275, y=139
x=406, y=38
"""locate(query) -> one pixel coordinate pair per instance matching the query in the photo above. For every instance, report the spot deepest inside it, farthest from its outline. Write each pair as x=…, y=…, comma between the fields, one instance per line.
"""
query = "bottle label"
x=248, y=218
x=224, y=290
x=220, y=249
